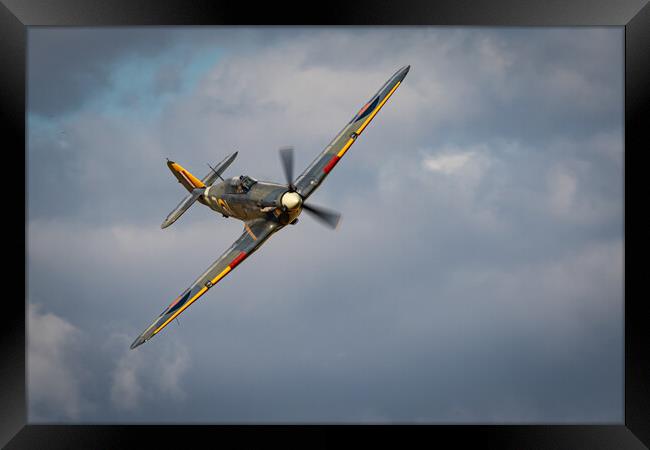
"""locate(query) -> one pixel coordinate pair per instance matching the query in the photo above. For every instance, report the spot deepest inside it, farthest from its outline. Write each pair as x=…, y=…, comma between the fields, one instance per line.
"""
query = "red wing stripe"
x=237, y=260
x=331, y=164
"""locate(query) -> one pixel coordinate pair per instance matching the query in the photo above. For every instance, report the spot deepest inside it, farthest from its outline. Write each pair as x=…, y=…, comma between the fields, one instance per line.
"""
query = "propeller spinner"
x=291, y=200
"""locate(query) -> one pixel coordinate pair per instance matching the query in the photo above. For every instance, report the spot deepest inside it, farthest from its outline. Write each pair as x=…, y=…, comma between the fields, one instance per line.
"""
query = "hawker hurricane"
x=264, y=207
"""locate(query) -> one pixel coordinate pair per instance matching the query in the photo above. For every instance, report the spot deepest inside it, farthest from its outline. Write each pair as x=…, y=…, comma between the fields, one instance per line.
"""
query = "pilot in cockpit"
x=241, y=185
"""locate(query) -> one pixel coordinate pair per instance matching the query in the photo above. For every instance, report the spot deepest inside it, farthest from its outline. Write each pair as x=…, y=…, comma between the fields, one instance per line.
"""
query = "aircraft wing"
x=256, y=232
x=316, y=172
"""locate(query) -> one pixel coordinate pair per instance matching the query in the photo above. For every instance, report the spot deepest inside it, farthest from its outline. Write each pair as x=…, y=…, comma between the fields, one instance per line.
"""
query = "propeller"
x=286, y=157
x=325, y=216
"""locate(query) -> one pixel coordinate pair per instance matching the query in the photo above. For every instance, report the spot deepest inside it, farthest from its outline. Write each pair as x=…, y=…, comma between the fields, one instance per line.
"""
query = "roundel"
x=366, y=109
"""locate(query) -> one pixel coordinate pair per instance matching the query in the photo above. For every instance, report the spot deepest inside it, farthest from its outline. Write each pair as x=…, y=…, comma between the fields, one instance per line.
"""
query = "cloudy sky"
x=476, y=276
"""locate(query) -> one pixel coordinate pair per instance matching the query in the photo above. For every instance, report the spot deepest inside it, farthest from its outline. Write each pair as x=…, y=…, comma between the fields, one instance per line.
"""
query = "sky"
x=476, y=276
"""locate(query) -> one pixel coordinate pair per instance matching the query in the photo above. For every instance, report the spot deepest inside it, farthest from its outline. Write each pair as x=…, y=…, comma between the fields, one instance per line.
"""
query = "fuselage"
x=245, y=198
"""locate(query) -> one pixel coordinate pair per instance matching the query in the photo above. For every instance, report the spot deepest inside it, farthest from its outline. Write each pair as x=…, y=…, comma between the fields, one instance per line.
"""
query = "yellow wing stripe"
x=193, y=299
x=221, y=275
x=367, y=121
x=198, y=294
x=345, y=148
x=377, y=108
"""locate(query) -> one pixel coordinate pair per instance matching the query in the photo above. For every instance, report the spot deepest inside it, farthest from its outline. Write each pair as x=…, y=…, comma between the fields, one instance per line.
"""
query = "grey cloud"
x=126, y=389
x=55, y=384
x=136, y=379
x=67, y=66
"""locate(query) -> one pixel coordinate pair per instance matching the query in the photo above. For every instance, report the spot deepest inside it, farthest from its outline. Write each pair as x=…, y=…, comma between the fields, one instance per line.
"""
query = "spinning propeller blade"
x=325, y=216
x=286, y=156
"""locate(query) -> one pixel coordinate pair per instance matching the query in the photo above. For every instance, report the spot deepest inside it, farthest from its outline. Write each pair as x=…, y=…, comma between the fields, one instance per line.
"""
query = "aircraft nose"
x=291, y=200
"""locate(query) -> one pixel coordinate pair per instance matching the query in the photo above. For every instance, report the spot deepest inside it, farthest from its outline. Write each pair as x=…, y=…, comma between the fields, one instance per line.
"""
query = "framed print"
x=477, y=289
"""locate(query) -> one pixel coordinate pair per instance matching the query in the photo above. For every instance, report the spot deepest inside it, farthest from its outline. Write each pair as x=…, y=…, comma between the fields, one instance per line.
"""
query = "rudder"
x=184, y=177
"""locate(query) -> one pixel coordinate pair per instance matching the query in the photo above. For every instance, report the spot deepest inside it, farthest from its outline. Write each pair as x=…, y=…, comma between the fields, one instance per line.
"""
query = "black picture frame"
x=17, y=15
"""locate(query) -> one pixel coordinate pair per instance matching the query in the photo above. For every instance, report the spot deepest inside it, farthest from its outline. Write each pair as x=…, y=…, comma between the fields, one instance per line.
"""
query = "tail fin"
x=189, y=181
x=195, y=186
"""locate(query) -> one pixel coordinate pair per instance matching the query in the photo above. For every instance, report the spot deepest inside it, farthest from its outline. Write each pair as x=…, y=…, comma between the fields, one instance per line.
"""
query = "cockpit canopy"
x=240, y=185
x=247, y=182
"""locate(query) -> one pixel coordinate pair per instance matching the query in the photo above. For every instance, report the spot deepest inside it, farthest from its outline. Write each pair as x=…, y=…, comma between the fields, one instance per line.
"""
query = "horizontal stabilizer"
x=217, y=171
x=182, y=207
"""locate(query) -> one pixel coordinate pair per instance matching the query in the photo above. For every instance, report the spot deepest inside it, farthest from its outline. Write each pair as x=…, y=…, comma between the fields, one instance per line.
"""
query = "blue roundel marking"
x=370, y=107
x=179, y=303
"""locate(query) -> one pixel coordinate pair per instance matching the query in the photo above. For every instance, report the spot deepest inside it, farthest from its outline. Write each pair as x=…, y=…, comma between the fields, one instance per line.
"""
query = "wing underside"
x=316, y=172
x=255, y=234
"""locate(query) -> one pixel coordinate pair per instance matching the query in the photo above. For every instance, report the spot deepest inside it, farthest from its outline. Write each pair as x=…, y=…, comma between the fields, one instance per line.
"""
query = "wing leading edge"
x=316, y=172
x=255, y=234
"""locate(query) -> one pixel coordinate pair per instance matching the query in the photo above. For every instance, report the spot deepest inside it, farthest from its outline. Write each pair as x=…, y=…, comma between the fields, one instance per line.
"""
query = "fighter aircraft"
x=264, y=207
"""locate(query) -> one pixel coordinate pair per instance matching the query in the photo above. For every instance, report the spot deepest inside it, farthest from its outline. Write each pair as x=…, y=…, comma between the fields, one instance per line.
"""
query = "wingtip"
x=401, y=74
x=139, y=341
